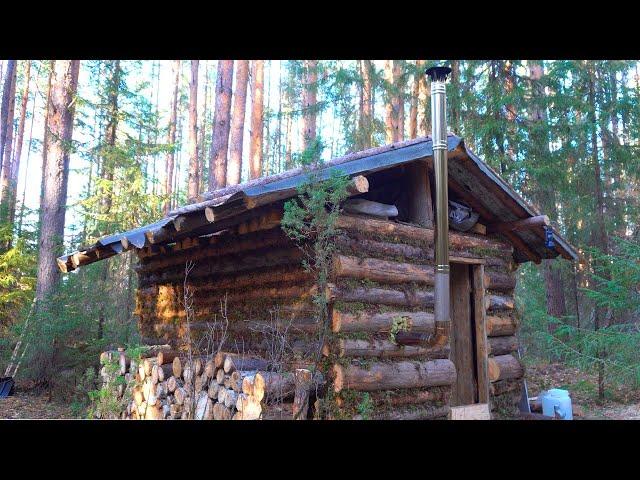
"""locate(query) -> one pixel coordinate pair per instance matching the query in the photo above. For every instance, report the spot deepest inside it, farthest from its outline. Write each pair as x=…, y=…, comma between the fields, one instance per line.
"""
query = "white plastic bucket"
x=557, y=403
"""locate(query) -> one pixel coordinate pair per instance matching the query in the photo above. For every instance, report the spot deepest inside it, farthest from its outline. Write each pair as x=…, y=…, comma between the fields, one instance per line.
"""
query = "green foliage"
x=400, y=324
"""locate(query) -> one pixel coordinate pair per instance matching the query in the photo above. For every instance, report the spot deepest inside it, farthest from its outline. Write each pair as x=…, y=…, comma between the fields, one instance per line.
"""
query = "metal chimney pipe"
x=438, y=77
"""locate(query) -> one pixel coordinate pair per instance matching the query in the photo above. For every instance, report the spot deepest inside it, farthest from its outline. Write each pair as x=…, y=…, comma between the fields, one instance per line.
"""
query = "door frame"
x=479, y=319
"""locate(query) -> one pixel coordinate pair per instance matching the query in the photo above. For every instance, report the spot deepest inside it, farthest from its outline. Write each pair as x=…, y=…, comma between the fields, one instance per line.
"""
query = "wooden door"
x=463, y=348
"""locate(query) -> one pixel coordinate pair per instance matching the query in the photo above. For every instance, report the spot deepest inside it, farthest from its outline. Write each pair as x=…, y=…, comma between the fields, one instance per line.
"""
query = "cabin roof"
x=470, y=179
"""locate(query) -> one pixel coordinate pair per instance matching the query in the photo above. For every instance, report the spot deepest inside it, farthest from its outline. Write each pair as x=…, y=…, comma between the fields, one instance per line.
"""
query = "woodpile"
x=171, y=387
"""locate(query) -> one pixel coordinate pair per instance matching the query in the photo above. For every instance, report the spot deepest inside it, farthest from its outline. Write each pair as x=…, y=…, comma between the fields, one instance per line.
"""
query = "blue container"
x=557, y=403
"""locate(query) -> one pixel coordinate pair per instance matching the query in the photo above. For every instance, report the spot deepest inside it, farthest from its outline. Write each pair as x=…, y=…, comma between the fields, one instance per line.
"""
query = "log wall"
x=382, y=282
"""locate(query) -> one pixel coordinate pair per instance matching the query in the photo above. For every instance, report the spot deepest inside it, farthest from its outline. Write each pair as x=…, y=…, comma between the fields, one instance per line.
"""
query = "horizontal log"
x=381, y=322
x=361, y=206
x=383, y=296
x=499, y=281
x=523, y=224
x=500, y=326
x=234, y=362
x=388, y=376
x=411, y=233
x=400, y=398
x=505, y=386
x=497, y=302
x=383, y=271
x=387, y=349
x=415, y=413
x=504, y=367
x=502, y=345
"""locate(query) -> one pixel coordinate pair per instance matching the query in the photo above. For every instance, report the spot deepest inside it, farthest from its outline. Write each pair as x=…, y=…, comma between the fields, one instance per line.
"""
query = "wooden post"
x=419, y=193
x=481, y=333
x=303, y=379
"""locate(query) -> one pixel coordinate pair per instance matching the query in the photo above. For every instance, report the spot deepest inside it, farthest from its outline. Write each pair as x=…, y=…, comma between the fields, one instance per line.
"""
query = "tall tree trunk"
x=366, y=115
x=194, y=180
x=309, y=103
x=59, y=126
x=12, y=185
x=545, y=193
x=26, y=169
x=45, y=141
x=424, y=102
x=455, y=97
x=203, y=132
x=398, y=99
x=171, y=138
x=413, y=112
x=389, y=123
x=257, y=120
x=221, y=126
x=237, y=123
x=601, y=238
x=8, y=107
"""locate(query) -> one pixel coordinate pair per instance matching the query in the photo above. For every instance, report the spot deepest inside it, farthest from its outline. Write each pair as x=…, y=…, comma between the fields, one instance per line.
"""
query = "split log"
x=138, y=395
x=230, y=399
x=248, y=407
x=177, y=367
x=220, y=412
x=153, y=412
x=180, y=394
x=236, y=381
x=187, y=374
x=209, y=370
x=383, y=296
x=176, y=411
x=500, y=326
x=141, y=372
x=222, y=394
x=383, y=271
x=386, y=349
x=254, y=385
x=154, y=374
x=172, y=384
x=497, y=302
x=213, y=390
x=504, y=367
x=381, y=322
x=202, y=404
x=502, y=345
x=200, y=383
x=303, y=379
x=197, y=366
x=389, y=376
x=218, y=360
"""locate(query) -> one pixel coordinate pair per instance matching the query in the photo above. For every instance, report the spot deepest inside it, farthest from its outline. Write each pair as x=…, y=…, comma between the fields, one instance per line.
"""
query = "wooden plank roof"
x=470, y=178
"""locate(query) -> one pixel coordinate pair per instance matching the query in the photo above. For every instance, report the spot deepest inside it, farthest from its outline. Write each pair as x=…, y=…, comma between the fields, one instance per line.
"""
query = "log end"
x=337, y=375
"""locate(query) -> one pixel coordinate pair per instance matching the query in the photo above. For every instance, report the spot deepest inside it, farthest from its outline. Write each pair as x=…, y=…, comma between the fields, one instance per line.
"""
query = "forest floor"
x=620, y=403
x=26, y=405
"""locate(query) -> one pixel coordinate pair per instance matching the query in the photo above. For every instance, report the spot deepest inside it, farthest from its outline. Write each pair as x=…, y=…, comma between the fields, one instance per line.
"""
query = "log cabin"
x=383, y=355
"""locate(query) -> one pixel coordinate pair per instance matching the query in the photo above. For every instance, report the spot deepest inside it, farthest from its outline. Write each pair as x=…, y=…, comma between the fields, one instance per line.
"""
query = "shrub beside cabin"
x=382, y=338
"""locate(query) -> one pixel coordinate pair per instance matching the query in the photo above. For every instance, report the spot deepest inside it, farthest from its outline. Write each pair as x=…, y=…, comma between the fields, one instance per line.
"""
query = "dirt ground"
x=620, y=403
x=24, y=405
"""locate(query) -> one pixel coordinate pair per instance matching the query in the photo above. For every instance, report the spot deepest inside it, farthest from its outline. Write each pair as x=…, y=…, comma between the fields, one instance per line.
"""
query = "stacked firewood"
x=171, y=386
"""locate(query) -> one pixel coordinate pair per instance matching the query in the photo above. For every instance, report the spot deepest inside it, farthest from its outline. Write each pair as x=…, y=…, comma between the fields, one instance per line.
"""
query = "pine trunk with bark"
x=221, y=126
x=171, y=139
x=59, y=128
x=193, y=185
x=309, y=104
x=237, y=123
x=257, y=121
x=6, y=135
x=366, y=104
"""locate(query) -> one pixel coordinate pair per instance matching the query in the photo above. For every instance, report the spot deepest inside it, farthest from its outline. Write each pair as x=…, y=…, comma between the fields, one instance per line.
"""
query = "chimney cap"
x=438, y=73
